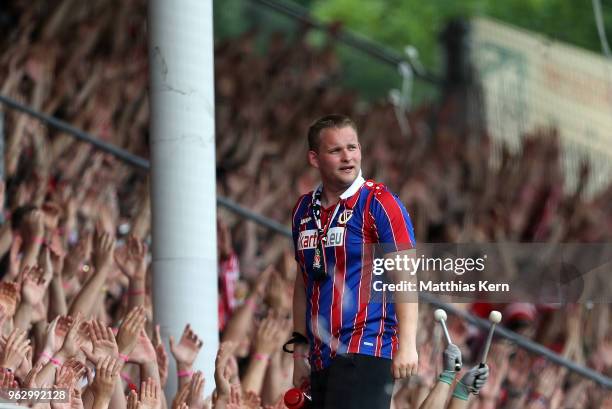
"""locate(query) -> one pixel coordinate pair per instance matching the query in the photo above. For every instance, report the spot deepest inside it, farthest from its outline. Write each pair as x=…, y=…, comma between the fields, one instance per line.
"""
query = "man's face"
x=339, y=156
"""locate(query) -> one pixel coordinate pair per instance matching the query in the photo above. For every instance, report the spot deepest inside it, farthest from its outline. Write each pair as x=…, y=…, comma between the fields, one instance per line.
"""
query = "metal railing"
x=144, y=164
x=367, y=46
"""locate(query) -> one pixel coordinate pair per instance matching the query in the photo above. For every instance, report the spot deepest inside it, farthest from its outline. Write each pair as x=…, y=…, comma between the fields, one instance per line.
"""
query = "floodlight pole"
x=183, y=201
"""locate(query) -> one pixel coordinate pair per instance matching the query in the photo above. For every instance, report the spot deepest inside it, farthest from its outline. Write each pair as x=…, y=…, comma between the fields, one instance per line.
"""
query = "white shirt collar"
x=352, y=189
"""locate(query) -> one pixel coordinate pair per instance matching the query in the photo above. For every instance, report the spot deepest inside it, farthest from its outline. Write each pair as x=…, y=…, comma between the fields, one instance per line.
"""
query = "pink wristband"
x=261, y=357
x=46, y=355
x=251, y=304
x=183, y=374
x=54, y=361
x=39, y=240
x=301, y=356
x=136, y=292
x=124, y=357
x=125, y=377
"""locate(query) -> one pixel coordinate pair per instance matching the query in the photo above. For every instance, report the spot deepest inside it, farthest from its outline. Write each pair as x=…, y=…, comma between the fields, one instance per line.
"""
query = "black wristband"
x=296, y=338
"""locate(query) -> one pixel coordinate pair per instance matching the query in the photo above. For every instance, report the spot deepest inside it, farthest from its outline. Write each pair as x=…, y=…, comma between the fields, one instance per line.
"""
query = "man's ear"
x=313, y=159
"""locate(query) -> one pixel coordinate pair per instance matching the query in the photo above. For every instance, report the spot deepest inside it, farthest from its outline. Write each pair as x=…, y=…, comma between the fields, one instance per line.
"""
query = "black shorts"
x=353, y=381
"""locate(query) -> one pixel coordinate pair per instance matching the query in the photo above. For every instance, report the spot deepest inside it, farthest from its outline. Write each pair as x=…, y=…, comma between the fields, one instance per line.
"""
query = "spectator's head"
x=334, y=150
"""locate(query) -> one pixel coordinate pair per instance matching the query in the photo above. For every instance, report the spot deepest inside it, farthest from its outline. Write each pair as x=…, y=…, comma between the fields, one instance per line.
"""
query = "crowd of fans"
x=75, y=298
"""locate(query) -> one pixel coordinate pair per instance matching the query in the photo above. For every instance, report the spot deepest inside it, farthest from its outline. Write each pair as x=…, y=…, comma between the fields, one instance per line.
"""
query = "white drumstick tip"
x=440, y=315
x=495, y=317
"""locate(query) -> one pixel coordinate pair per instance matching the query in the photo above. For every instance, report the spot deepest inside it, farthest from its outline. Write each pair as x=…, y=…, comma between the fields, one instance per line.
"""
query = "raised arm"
x=471, y=382
x=185, y=353
x=266, y=343
x=84, y=302
x=132, y=262
x=439, y=394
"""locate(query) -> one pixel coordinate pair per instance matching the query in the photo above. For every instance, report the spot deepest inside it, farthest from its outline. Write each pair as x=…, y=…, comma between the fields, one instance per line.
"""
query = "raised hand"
x=26, y=365
x=132, y=400
x=251, y=401
x=104, y=245
x=9, y=297
x=107, y=372
x=132, y=259
x=79, y=254
x=226, y=349
x=279, y=296
x=78, y=368
x=235, y=401
x=51, y=346
x=65, y=377
x=186, y=351
x=268, y=338
x=475, y=378
x=34, y=285
x=33, y=226
x=195, y=399
x=30, y=379
x=75, y=399
x=162, y=357
x=56, y=332
x=130, y=328
x=73, y=341
x=180, y=397
x=144, y=351
x=15, y=350
x=103, y=342
x=451, y=356
x=51, y=215
x=7, y=379
x=150, y=395
x=261, y=282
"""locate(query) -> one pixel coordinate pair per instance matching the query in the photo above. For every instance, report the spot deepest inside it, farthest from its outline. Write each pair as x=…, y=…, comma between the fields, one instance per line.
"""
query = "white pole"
x=183, y=174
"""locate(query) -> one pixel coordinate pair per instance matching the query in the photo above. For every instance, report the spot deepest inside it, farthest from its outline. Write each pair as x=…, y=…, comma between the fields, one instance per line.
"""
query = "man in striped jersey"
x=349, y=345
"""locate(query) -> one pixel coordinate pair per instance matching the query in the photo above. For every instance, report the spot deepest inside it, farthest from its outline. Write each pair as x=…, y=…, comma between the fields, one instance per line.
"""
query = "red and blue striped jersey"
x=340, y=315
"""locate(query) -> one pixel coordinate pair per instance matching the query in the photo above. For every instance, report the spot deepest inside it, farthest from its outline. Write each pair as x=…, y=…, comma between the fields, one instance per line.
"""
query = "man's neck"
x=331, y=194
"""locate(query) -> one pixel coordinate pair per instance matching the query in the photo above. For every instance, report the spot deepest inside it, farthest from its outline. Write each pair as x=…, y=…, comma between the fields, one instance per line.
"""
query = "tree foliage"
x=397, y=23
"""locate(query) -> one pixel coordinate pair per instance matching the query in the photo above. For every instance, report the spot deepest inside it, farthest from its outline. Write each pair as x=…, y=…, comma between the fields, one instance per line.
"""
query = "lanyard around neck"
x=316, y=210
